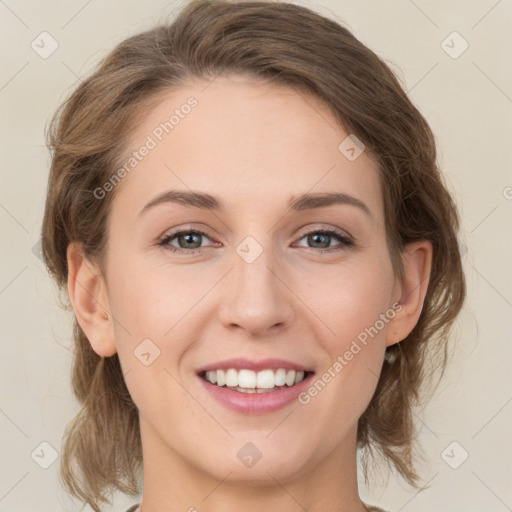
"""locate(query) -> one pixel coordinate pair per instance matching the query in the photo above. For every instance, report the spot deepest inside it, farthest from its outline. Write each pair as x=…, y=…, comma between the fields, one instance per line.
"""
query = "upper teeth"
x=265, y=379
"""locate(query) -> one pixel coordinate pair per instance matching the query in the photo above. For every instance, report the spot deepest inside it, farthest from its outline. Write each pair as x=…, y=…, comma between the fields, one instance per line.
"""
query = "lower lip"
x=255, y=403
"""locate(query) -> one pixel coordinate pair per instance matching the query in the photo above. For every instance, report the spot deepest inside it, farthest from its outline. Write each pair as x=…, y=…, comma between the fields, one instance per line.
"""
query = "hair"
x=266, y=41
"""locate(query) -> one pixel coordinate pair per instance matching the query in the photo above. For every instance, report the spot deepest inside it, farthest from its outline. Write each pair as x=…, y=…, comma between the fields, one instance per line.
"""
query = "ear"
x=88, y=294
x=417, y=262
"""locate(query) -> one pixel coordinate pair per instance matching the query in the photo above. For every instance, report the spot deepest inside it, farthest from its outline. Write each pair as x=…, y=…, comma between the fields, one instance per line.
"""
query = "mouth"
x=255, y=387
x=245, y=380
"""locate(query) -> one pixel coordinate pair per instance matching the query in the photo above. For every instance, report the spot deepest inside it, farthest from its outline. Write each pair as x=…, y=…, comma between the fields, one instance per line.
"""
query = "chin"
x=259, y=462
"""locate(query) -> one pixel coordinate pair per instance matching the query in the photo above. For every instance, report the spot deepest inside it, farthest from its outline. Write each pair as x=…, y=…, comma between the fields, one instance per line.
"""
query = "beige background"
x=468, y=102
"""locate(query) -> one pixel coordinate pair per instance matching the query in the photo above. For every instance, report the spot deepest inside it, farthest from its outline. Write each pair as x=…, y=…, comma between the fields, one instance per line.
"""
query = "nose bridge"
x=258, y=299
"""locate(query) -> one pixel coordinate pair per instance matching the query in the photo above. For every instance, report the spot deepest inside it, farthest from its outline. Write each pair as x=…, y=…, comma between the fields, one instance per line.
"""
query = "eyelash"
x=345, y=241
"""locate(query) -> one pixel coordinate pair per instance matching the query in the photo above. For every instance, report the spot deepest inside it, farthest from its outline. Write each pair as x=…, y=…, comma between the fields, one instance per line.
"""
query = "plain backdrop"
x=465, y=93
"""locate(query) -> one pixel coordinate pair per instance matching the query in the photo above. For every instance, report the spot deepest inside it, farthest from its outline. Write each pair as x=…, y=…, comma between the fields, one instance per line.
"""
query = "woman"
x=260, y=253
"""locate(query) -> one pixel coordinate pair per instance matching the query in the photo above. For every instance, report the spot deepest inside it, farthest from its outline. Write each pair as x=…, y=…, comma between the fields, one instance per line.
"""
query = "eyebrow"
x=297, y=203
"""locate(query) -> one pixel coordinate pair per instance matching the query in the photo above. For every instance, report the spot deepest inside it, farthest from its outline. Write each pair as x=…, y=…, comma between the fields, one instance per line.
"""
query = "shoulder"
x=373, y=508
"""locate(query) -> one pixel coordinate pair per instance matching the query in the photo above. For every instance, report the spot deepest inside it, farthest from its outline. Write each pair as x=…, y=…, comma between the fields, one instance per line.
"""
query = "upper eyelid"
x=186, y=229
x=331, y=230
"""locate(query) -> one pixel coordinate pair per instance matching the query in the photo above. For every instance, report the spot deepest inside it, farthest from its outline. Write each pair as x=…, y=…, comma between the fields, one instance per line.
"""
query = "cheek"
x=353, y=300
x=153, y=297
x=353, y=306
x=149, y=301
x=160, y=303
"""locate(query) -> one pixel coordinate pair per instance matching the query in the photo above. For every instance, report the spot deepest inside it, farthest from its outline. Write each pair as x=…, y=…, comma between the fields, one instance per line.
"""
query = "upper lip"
x=263, y=364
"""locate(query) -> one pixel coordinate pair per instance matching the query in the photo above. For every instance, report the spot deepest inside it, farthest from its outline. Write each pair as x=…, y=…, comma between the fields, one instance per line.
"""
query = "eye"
x=189, y=241
x=321, y=239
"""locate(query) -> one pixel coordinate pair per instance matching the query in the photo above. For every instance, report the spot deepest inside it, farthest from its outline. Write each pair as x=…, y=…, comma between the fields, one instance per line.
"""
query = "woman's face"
x=233, y=269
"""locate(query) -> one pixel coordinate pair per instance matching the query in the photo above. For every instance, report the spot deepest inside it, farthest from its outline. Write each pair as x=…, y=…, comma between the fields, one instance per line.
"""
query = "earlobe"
x=417, y=262
x=88, y=295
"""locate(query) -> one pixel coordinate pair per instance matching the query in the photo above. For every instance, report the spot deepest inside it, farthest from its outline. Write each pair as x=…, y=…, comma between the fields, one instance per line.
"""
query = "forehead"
x=237, y=138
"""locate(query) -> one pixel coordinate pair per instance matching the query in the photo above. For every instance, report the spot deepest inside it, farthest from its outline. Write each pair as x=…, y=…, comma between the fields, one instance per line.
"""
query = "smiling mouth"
x=249, y=381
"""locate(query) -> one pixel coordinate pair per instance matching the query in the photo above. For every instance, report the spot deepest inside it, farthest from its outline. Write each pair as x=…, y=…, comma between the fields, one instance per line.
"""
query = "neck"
x=172, y=484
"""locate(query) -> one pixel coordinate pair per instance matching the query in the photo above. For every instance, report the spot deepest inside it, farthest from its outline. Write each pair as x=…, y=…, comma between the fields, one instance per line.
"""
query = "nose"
x=256, y=298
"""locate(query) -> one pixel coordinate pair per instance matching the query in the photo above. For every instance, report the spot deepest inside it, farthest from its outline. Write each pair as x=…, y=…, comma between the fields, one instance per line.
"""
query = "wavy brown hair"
x=278, y=43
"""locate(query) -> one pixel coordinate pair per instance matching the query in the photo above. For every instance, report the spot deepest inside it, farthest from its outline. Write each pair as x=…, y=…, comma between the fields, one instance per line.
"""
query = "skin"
x=254, y=146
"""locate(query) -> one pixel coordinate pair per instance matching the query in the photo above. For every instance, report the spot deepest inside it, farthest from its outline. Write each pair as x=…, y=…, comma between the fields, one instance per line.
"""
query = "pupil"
x=190, y=236
x=320, y=235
